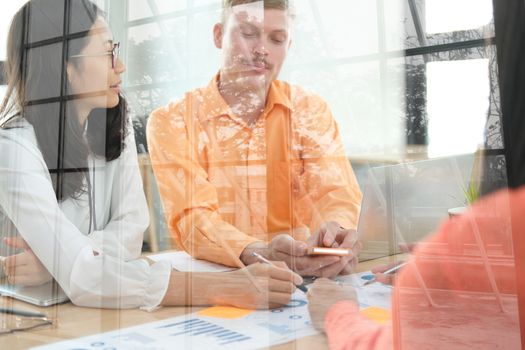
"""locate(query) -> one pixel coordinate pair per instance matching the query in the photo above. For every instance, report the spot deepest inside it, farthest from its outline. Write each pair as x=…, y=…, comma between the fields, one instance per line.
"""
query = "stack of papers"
x=182, y=261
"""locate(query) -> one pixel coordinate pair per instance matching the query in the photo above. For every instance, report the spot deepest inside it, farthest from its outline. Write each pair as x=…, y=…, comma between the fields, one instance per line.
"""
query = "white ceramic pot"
x=452, y=212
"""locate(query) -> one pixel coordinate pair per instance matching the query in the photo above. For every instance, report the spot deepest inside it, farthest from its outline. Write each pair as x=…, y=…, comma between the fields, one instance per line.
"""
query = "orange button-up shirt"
x=225, y=184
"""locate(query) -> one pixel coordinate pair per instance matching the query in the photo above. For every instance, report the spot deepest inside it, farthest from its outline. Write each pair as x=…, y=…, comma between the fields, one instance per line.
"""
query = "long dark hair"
x=34, y=74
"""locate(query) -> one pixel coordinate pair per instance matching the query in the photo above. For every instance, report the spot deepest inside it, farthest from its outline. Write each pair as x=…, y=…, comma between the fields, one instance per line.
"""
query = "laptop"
x=44, y=295
x=404, y=203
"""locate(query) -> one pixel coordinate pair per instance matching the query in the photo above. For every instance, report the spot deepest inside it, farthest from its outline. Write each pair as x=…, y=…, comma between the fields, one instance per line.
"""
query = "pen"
x=266, y=261
x=387, y=272
x=22, y=313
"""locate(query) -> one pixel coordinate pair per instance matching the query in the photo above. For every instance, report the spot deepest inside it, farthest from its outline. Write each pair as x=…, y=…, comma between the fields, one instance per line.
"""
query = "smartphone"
x=329, y=251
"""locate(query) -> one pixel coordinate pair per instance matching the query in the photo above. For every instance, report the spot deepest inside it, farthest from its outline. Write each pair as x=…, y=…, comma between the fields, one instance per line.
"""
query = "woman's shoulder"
x=18, y=142
x=18, y=128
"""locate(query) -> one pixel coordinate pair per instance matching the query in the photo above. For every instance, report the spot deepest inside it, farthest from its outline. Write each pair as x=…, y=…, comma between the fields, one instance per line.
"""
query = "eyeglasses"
x=114, y=55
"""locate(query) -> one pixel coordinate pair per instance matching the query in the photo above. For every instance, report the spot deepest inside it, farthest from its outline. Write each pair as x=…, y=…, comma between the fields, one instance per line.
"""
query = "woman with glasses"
x=69, y=178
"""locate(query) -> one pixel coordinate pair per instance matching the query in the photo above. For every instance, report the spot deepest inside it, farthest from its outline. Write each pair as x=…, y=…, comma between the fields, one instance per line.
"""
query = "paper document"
x=374, y=299
x=216, y=327
x=182, y=261
x=223, y=327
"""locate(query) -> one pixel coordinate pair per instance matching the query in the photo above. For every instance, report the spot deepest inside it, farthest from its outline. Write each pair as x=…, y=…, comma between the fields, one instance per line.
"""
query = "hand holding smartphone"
x=329, y=251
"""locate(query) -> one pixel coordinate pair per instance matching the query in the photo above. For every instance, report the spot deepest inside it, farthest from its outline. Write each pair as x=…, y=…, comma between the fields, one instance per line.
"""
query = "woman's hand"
x=269, y=287
x=378, y=272
x=322, y=295
x=389, y=279
x=24, y=269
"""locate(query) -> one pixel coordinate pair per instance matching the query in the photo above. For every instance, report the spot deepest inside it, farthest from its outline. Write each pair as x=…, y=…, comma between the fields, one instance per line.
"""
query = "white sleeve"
x=28, y=199
x=124, y=233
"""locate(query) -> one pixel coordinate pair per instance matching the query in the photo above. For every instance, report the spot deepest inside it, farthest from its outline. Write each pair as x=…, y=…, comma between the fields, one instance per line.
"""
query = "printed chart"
x=221, y=327
x=212, y=328
x=374, y=299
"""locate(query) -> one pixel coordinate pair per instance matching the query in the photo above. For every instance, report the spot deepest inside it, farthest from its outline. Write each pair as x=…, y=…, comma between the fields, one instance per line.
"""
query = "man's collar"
x=215, y=106
x=279, y=94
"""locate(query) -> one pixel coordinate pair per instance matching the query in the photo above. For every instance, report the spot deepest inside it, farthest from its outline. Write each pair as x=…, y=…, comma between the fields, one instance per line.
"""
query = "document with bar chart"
x=216, y=327
x=221, y=327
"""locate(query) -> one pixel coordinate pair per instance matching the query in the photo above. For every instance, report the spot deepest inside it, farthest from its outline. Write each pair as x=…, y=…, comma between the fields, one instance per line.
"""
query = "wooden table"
x=72, y=321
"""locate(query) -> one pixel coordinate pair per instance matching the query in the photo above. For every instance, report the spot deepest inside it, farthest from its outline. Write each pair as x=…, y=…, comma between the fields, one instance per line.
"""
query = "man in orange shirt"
x=252, y=164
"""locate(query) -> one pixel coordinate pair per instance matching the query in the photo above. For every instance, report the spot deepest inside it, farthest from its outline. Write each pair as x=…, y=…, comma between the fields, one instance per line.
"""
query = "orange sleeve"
x=189, y=199
x=346, y=328
x=329, y=181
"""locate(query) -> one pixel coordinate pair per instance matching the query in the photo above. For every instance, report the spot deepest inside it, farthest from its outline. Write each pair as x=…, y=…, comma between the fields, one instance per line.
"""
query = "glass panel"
x=45, y=74
x=369, y=114
x=444, y=16
x=81, y=20
x=397, y=24
x=9, y=8
x=146, y=8
x=320, y=26
x=198, y=3
x=457, y=126
x=405, y=203
x=3, y=90
x=46, y=20
x=101, y=3
x=157, y=52
x=247, y=162
x=494, y=129
x=159, y=55
x=443, y=22
x=467, y=80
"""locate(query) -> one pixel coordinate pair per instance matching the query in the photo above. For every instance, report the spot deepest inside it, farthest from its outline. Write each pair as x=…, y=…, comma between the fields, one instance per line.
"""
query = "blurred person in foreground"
x=458, y=290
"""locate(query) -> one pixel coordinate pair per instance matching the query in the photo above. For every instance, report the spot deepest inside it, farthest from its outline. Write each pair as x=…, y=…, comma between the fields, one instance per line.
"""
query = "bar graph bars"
x=195, y=327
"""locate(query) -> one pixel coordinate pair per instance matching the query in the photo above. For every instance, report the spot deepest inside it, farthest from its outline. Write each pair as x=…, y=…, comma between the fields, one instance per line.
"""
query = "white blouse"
x=58, y=233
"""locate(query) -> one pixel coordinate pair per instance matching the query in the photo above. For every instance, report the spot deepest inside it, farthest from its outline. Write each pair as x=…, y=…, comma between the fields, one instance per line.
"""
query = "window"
x=7, y=13
x=405, y=79
x=381, y=65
